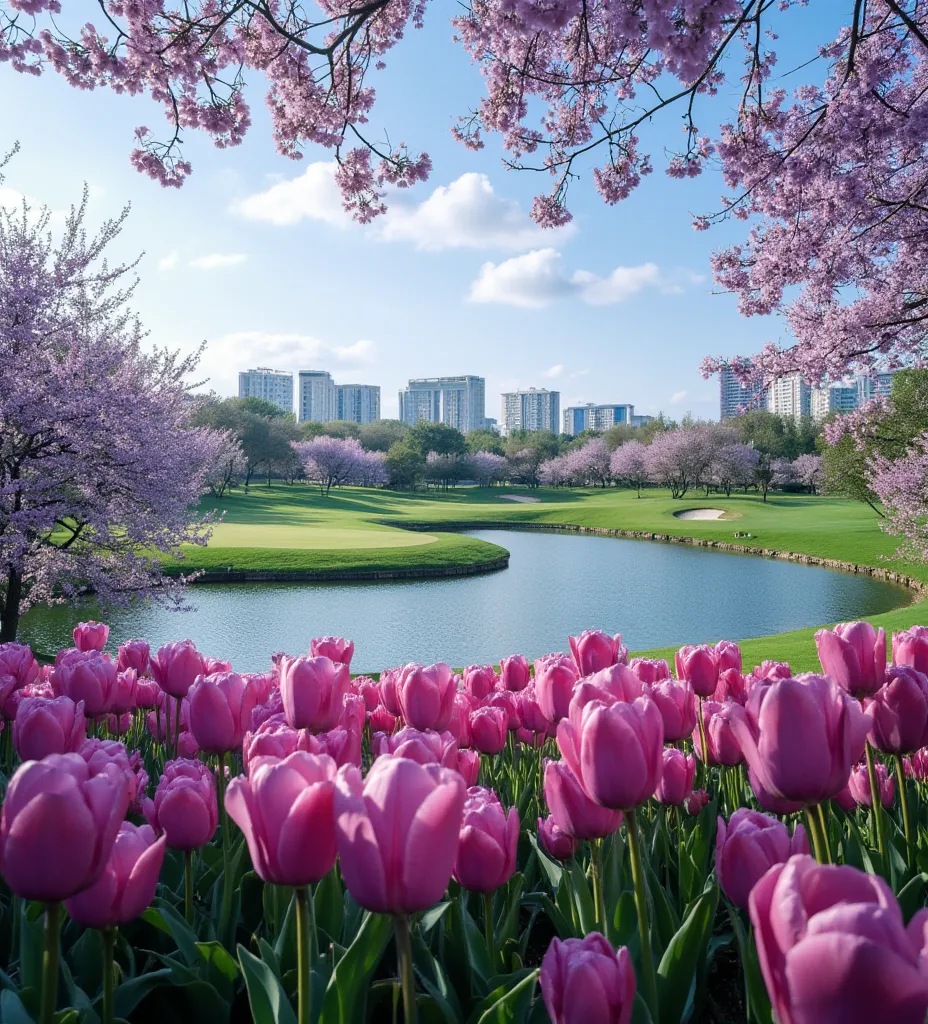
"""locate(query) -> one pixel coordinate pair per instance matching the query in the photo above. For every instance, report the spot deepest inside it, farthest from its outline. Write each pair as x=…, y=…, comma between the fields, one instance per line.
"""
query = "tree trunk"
x=9, y=613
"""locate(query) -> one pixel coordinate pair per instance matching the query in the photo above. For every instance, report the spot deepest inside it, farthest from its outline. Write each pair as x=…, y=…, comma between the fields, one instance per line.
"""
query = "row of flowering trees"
x=575, y=840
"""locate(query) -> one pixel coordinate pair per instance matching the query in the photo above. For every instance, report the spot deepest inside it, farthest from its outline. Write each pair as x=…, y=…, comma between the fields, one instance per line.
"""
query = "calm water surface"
x=556, y=584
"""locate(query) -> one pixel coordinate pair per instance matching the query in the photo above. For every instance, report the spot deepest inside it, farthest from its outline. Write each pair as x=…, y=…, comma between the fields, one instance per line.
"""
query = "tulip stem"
x=225, y=914
x=904, y=800
x=177, y=703
x=596, y=869
x=489, y=930
x=109, y=943
x=876, y=804
x=304, y=974
x=814, y=835
x=703, y=746
x=188, y=887
x=826, y=842
x=641, y=905
x=50, y=962
x=404, y=956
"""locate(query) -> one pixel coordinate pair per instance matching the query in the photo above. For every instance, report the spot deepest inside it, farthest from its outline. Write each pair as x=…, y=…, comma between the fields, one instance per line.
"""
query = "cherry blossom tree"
x=679, y=459
x=228, y=465
x=901, y=484
x=807, y=469
x=596, y=461
x=335, y=461
x=99, y=467
x=488, y=468
x=630, y=464
x=732, y=465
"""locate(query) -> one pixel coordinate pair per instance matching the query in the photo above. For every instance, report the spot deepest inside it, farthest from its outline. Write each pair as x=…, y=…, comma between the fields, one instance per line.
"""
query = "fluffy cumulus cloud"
x=537, y=278
x=311, y=196
x=216, y=261
x=677, y=397
x=555, y=371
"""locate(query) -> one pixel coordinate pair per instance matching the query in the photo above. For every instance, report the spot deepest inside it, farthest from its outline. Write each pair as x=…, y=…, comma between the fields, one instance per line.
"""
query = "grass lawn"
x=293, y=528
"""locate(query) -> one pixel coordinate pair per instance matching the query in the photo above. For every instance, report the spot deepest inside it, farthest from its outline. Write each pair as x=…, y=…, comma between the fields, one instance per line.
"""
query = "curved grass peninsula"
x=288, y=533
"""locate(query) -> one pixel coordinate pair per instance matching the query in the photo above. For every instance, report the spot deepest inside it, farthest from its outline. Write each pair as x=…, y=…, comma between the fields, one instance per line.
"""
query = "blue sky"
x=254, y=256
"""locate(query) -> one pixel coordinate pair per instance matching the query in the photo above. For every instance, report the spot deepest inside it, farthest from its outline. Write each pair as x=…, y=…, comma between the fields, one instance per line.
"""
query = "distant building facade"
x=790, y=397
x=735, y=397
x=272, y=385
x=879, y=385
x=534, y=409
x=459, y=402
x=317, y=400
x=840, y=398
x=642, y=421
x=577, y=418
x=358, y=403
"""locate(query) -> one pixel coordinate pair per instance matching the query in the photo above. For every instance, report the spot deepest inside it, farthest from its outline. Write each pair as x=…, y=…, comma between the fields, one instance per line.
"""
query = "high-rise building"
x=272, y=385
x=834, y=398
x=880, y=385
x=456, y=401
x=591, y=416
x=359, y=403
x=736, y=397
x=641, y=421
x=534, y=409
x=316, y=400
x=790, y=397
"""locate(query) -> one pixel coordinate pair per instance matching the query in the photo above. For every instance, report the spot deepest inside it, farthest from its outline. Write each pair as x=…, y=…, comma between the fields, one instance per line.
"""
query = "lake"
x=557, y=584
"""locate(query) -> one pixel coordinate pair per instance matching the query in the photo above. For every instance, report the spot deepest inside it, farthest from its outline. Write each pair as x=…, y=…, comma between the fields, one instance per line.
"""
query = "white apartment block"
x=272, y=385
x=456, y=401
x=317, y=400
x=534, y=409
x=736, y=398
x=790, y=397
x=358, y=403
x=840, y=398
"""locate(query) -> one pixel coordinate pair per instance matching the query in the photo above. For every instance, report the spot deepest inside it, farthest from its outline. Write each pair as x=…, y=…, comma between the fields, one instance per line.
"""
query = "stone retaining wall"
x=347, y=575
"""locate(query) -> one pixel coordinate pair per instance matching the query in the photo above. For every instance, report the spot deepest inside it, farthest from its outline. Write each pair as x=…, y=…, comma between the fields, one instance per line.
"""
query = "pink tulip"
x=124, y=693
x=486, y=857
x=44, y=727
x=731, y=686
x=594, y=650
x=17, y=661
x=313, y=692
x=479, y=680
x=771, y=803
x=677, y=705
x=800, y=737
x=397, y=833
x=514, y=673
x=58, y=826
x=585, y=981
x=916, y=766
x=720, y=736
x=459, y=723
x=101, y=755
x=699, y=666
x=468, y=766
x=910, y=648
x=380, y=720
x=555, y=841
x=899, y=712
x=833, y=947
x=615, y=751
x=426, y=695
x=530, y=714
x=213, y=666
x=184, y=807
x=729, y=656
x=134, y=654
x=89, y=677
x=771, y=670
x=12, y=700
x=220, y=711
x=276, y=740
x=618, y=680
x=286, y=811
x=853, y=654
x=263, y=683
x=91, y=636
x=858, y=787
x=388, y=680
x=148, y=694
x=555, y=676
x=422, y=747
x=510, y=704
x=748, y=846
x=335, y=648
x=695, y=802
x=368, y=691
x=127, y=885
x=572, y=810
x=650, y=670
x=488, y=729
x=176, y=666
x=677, y=777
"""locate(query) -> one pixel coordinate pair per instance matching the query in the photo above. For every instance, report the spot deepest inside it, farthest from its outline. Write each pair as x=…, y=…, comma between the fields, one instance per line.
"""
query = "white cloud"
x=536, y=278
x=170, y=261
x=361, y=351
x=555, y=371
x=677, y=397
x=217, y=260
x=312, y=196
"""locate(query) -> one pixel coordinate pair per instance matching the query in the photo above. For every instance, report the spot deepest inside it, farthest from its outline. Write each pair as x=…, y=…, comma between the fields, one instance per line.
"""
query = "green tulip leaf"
x=130, y=993
x=346, y=991
x=266, y=996
x=510, y=1002
x=680, y=963
x=12, y=1010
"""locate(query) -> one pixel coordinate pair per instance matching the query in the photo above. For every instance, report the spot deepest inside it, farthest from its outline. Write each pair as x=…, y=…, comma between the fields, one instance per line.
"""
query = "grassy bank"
x=294, y=528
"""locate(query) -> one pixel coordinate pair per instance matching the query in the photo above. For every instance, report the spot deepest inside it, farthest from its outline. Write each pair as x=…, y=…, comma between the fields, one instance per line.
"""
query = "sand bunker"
x=701, y=513
x=518, y=497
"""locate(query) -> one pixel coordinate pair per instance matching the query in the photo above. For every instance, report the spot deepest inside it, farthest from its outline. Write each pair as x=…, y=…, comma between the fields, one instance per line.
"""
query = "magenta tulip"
x=12, y=699
x=380, y=720
x=585, y=981
x=426, y=695
x=134, y=654
x=699, y=666
x=335, y=648
x=572, y=810
x=488, y=729
x=677, y=705
x=313, y=692
x=555, y=841
x=148, y=694
x=176, y=666
x=514, y=673
x=18, y=662
x=530, y=714
x=650, y=670
x=468, y=766
x=770, y=670
x=486, y=857
x=748, y=846
x=286, y=811
x=124, y=699
x=617, y=680
x=459, y=724
x=44, y=727
x=615, y=750
x=720, y=736
x=368, y=691
x=510, y=704
x=90, y=636
x=89, y=677
x=220, y=711
x=677, y=777
x=857, y=790
x=104, y=755
x=853, y=654
x=800, y=737
x=422, y=747
x=397, y=833
x=184, y=807
x=731, y=686
x=388, y=681
x=910, y=648
x=771, y=803
x=274, y=739
x=594, y=650
x=899, y=712
x=555, y=677
x=695, y=802
x=213, y=666
x=58, y=826
x=729, y=656
x=833, y=947
x=127, y=885
x=479, y=680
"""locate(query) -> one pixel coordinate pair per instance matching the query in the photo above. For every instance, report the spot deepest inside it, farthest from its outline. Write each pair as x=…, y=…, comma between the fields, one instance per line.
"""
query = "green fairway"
x=294, y=528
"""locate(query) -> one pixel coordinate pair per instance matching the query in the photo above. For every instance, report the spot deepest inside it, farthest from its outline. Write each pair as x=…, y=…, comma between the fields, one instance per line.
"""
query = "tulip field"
x=589, y=839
